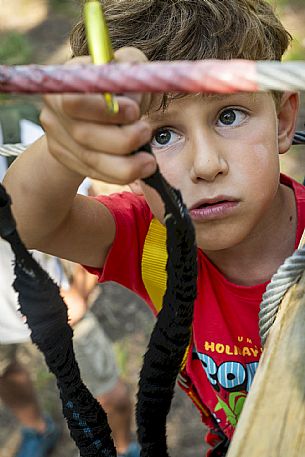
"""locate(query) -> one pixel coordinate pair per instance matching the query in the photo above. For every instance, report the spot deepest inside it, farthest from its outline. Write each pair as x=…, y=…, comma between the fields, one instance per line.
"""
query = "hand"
x=79, y=293
x=87, y=139
x=77, y=306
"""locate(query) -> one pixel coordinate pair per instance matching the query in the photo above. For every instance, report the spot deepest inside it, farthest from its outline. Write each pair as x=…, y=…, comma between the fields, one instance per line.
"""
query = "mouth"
x=213, y=208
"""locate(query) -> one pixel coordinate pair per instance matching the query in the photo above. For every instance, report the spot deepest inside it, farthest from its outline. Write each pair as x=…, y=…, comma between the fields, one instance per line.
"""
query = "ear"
x=136, y=187
x=287, y=117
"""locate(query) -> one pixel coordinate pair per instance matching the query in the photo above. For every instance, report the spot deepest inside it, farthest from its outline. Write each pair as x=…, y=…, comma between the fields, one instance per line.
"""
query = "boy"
x=220, y=151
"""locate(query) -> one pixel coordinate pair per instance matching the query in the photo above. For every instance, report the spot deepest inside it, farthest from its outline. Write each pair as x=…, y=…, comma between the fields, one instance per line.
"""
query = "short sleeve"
x=132, y=218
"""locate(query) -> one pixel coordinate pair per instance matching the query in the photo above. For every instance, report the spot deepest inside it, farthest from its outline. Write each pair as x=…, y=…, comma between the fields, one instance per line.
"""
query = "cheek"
x=173, y=170
x=266, y=163
x=258, y=147
x=259, y=170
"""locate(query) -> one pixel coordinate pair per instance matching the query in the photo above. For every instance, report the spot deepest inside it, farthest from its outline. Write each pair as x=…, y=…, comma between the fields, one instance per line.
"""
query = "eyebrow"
x=159, y=115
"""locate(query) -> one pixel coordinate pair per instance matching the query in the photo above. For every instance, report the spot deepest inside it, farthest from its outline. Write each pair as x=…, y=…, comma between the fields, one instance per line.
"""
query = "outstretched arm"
x=82, y=139
x=50, y=217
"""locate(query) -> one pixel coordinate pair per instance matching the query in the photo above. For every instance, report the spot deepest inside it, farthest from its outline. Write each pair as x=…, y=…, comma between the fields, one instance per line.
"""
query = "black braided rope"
x=172, y=332
x=46, y=315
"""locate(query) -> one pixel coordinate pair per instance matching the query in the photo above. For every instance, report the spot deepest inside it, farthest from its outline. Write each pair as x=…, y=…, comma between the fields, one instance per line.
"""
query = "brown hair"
x=192, y=29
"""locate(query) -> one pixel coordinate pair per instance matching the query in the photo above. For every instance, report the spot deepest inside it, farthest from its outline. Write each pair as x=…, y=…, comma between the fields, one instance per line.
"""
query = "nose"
x=208, y=160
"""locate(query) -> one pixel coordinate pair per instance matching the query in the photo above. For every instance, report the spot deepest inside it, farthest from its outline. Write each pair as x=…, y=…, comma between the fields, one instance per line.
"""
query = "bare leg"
x=117, y=405
x=17, y=393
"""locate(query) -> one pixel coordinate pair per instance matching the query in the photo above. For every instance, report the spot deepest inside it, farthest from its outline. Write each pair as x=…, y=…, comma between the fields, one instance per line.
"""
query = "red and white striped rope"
x=200, y=76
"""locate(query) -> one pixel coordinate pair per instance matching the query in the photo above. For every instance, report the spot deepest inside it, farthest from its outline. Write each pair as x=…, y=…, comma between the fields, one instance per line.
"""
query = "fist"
x=87, y=139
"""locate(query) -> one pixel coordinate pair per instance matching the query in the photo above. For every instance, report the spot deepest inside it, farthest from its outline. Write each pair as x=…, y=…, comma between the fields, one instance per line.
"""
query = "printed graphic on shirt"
x=234, y=408
x=231, y=379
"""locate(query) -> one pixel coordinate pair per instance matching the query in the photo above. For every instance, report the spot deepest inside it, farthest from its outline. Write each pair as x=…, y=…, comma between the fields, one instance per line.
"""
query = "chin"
x=220, y=242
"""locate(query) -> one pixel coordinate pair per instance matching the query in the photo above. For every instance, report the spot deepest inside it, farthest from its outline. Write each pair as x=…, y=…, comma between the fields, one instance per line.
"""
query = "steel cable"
x=287, y=275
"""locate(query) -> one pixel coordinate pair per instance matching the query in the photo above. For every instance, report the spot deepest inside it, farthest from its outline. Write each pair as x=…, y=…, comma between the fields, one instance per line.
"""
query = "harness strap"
x=154, y=277
x=154, y=260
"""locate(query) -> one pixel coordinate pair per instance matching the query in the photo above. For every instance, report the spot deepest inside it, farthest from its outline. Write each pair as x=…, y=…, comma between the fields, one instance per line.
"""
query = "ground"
x=38, y=34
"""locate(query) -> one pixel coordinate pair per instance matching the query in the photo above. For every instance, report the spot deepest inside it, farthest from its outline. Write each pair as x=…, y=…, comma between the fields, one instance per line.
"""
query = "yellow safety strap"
x=153, y=267
x=154, y=260
x=154, y=277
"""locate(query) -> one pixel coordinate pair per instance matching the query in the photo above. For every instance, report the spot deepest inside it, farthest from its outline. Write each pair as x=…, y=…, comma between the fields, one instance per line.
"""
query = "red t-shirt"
x=226, y=346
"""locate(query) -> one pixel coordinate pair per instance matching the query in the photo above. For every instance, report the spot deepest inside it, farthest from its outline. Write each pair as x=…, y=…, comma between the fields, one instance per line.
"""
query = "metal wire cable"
x=287, y=275
x=281, y=76
x=12, y=150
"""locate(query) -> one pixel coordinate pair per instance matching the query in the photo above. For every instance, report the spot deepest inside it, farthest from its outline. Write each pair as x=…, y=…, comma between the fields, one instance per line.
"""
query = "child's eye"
x=164, y=137
x=231, y=117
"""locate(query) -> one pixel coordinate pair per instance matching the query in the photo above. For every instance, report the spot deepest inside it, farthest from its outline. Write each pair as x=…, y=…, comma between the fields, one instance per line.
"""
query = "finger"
x=92, y=107
x=118, y=140
x=112, y=138
x=130, y=54
x=97, y=137
x=106, y=167
x=97, y=165
x=119, y=169
x=61, y=144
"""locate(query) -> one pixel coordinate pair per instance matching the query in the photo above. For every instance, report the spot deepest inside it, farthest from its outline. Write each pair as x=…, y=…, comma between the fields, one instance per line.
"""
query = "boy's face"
x=222, y=153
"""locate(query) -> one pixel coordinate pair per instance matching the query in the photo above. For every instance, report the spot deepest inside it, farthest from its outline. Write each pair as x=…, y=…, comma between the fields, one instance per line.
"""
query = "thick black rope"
x=46, y=315
x=172, y=332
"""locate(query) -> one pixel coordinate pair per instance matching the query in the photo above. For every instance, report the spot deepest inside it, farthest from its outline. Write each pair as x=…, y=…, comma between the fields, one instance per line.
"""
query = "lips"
x=213, y=208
